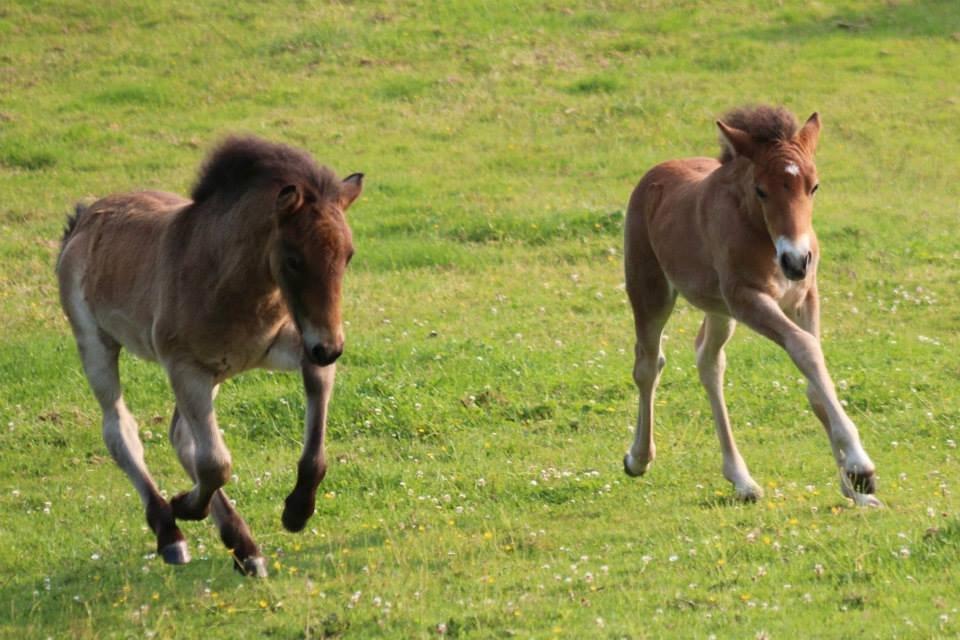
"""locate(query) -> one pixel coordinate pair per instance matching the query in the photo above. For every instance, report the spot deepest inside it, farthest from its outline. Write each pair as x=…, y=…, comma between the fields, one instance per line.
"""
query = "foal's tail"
x=72, y=221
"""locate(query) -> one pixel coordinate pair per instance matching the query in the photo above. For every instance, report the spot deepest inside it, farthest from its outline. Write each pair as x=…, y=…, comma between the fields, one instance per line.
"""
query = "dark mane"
x=764, y=124
x=241, y=163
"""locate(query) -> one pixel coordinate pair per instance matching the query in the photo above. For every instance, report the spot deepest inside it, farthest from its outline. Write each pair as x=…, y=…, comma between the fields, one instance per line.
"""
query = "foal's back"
x=109, y=257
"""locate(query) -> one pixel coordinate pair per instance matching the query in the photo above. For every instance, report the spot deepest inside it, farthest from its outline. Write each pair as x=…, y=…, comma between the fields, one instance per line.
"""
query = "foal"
x=734, y=237
x=246, y=274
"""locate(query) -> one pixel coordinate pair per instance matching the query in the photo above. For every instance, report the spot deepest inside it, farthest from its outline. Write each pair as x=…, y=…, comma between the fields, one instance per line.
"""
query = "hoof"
x=294, y=523
x=860, y=486
x=176, y=553
x=253, y=566
x=180, y=505
x=867, y=500
x=630, y=471
x=296, y=513
x=862, y=482
x=748, y=493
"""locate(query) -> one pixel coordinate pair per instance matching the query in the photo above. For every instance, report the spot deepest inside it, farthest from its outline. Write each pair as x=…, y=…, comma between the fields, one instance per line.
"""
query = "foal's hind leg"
x=649, y=362
x=99, y=356
x=652, y=300
x=233, y=530
x=711, y=363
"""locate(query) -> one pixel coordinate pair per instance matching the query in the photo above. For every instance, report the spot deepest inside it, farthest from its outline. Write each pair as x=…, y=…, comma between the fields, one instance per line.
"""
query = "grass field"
x=484, y=400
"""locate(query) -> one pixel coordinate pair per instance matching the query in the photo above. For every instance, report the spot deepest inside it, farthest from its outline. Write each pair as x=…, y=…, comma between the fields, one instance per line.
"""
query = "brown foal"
x=735, y=238
x=246, y=274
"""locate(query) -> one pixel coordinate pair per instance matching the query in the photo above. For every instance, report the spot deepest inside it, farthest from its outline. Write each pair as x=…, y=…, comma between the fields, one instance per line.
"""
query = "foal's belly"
x=695, y=280
x=702, y=297
x=708, y=302
x=133, y=335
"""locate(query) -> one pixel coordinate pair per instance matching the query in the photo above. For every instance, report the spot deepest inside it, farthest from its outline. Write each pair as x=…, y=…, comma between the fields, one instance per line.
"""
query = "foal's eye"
x=349, y=257
x=815, y=187
x=293, y=262
x=761, y=193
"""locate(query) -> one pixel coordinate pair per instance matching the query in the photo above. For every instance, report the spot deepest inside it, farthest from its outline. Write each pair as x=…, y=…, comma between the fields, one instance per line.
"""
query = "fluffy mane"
x=241, y=163
x=764, y=124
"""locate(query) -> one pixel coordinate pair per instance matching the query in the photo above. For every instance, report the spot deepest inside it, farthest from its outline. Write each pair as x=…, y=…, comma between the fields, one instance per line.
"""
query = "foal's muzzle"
x=794, y=265
x=324, y=355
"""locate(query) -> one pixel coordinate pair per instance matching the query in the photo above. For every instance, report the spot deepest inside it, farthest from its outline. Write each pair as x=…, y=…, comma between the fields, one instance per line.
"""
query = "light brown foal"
x=245, y=274
x=735, y=238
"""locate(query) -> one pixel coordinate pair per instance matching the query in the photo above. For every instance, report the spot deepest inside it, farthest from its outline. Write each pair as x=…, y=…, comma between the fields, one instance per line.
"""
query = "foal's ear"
x=289, y=201
x=810, y=133
x=350, y=189
x=737, y=141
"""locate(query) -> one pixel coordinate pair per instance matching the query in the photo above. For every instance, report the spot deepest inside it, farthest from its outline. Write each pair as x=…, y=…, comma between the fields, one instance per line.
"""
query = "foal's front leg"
x=300, y=504
x=845, y=444
x=234, y=532
x=760, y=312
x=194, y=389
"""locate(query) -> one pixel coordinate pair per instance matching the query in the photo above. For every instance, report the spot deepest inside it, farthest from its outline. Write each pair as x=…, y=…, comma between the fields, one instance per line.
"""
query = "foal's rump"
x=108, y=259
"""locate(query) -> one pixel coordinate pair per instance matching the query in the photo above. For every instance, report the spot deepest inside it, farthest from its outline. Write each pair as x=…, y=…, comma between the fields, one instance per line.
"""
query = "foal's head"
x=783, y=174
x=311, y=253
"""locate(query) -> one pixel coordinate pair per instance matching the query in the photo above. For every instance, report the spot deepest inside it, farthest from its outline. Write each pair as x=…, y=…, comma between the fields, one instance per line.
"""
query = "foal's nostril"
x=794, y=267
x=808, y=259
x=323, y=356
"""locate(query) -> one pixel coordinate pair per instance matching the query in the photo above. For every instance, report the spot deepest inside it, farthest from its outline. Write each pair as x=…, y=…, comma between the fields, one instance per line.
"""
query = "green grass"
x=485, y=399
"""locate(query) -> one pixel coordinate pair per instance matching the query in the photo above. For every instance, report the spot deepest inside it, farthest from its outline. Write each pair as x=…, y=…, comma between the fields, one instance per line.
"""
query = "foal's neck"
x=740, y=176
x=239, y=239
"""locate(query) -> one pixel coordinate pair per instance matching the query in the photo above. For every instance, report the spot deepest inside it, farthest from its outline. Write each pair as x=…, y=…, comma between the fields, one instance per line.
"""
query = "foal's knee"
x=213, y=471
x=710, y=365
x=120, y=434
x=647, y=367
x=174, y=432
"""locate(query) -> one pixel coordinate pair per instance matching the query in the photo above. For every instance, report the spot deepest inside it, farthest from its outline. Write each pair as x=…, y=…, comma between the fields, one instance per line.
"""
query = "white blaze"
x=792, y=169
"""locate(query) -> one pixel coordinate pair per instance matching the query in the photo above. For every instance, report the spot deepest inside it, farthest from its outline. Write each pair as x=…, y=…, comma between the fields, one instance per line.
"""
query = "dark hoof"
x=863, y=482
x=253, y=566
x=175, y=553
x=180, y=505
x=626, y=467
x=296, y=513
x=294, y=522
x=630, y=472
